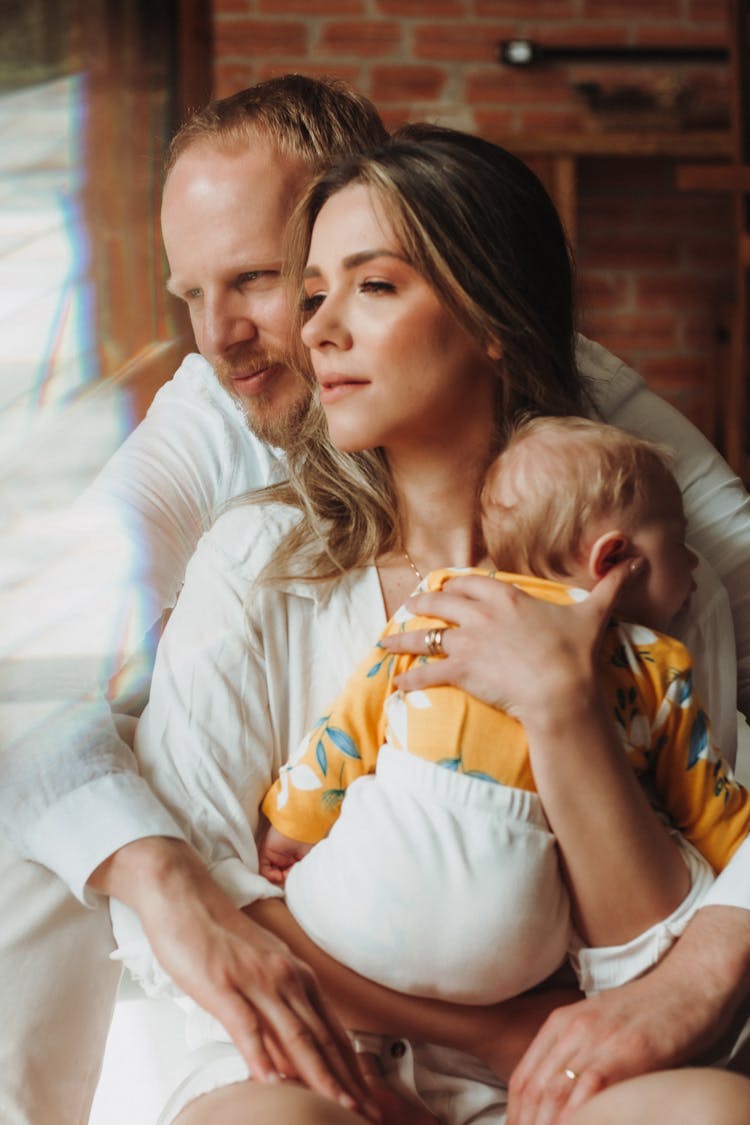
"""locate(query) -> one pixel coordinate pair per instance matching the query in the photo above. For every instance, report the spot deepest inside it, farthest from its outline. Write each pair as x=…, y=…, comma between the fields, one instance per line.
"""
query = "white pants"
x=57, y=991
x=454, y=1086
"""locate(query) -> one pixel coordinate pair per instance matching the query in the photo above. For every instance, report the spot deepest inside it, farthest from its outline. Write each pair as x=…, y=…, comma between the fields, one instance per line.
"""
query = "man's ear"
x=608, y=550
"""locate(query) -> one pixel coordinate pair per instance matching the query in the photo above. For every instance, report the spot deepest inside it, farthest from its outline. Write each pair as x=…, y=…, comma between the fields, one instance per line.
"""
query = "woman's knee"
x=713, y=1097
x=247, y=1103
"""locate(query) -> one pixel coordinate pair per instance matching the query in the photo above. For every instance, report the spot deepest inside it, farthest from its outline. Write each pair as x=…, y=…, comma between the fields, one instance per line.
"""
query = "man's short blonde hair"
x=313, y=119
x=558, y=477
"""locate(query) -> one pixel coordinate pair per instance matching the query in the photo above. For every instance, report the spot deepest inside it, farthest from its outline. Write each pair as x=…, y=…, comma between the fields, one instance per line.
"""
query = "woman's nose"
x=327, y=327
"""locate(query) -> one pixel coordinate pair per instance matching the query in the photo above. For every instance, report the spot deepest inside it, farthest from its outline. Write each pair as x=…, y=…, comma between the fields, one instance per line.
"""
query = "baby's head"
x=569, y=498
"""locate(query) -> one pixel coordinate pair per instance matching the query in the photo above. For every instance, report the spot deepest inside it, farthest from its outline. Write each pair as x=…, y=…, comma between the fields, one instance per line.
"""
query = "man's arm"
x=667, y=1018
x=716, y=501
x=72, y=627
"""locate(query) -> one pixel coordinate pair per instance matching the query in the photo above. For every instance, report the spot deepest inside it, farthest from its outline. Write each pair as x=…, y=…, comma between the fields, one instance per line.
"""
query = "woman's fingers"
x=288, y=1003
x=330, y=1038
x=501, y=638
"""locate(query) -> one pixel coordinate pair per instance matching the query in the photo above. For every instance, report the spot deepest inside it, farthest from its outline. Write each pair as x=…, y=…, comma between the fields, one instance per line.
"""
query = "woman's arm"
x=624, y=872
x=499, y=1034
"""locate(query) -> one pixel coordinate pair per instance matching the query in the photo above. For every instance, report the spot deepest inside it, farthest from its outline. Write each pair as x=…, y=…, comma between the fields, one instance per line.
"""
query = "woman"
x=438, y=305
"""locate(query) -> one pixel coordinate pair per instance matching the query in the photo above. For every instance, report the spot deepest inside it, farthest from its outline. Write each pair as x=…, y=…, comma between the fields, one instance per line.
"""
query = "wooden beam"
x=714, y=177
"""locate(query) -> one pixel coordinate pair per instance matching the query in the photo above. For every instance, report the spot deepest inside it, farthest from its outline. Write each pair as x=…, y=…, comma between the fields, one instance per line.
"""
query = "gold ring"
x=571, y=1074
x=433, y=638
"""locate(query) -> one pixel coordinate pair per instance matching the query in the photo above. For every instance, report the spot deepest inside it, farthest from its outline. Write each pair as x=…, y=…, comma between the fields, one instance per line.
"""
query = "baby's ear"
x=608, y=550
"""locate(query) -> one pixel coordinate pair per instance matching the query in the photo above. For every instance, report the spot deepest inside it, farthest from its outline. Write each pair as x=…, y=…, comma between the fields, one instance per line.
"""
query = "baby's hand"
x=278, y=854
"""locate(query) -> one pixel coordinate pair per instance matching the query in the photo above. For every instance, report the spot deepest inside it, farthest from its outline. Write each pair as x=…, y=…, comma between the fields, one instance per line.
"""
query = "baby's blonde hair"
x=556, y=478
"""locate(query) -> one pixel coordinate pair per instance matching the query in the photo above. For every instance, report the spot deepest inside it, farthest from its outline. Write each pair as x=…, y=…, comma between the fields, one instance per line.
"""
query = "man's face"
x=223, y=218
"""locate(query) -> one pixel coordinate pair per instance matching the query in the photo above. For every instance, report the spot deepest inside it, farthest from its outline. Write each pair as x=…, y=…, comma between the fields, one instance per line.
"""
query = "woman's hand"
x=510, y=649
x=538, y=661
x=266, y=998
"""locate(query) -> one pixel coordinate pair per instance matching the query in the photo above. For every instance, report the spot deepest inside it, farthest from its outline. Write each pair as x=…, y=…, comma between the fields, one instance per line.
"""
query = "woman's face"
x=394, y=366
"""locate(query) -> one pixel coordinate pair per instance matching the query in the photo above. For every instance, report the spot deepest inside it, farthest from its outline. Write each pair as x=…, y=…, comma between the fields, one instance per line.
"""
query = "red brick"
x=566, y=119
x=675, y=293
x=312, y=8
x=612, y=249
x=396, y=116
x=519, y=9
x=603, y=291
x=459, y=42
x=708, y=11
x=366, y=38
x=259, y=38
x=635, y=333
x=350, y=74
x=230, y=77
x=675, y=370
x=675, y=36
x=596, y=33
x=699, y=334
x=406, y=83
x=422, y=8
x=633, y=9
x=502, y=84
x=494, y=124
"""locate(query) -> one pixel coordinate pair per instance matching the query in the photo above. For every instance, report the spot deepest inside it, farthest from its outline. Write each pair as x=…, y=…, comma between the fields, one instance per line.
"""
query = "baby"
x=434, y=870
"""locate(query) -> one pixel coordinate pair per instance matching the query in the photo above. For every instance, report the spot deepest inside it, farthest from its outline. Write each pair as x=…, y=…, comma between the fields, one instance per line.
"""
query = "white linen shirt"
x=242, y=673
x=70, y=794
x=63, y=761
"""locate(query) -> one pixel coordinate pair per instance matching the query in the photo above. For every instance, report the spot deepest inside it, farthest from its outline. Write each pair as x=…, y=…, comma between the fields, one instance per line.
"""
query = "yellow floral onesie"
x=647, y=677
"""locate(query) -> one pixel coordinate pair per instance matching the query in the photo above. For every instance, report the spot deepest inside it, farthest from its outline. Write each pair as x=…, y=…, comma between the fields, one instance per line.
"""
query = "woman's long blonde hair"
x=477, y=223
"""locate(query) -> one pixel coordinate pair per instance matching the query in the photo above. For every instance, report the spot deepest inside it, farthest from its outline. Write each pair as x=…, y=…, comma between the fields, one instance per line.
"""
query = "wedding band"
x=571, y=1074
x=433, y=638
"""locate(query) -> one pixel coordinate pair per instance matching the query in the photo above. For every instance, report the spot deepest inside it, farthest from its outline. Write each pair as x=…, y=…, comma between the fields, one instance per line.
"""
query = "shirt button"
x=398, y=1049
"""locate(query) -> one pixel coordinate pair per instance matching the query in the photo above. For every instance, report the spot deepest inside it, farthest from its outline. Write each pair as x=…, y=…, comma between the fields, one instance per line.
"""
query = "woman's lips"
x=334, y=387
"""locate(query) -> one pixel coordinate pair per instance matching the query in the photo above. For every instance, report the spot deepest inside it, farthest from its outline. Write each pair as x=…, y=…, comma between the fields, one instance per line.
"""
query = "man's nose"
x=226, y=322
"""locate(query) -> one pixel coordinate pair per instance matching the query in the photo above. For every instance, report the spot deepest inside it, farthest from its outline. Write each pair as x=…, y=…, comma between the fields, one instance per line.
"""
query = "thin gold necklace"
x=411, y=563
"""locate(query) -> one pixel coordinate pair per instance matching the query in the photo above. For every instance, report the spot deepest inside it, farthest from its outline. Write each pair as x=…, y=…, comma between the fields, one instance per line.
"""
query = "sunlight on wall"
x=57, y=424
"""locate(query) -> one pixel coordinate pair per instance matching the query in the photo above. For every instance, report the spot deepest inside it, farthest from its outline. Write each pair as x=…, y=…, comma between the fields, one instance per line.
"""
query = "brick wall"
x=654, y=264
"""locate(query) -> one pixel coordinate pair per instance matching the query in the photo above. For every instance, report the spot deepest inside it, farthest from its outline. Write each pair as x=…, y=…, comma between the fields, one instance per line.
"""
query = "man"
x=72, y=800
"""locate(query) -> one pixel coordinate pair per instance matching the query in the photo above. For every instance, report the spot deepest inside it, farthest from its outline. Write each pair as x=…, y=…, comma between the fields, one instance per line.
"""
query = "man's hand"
x=665, y=1019
x=266, y=998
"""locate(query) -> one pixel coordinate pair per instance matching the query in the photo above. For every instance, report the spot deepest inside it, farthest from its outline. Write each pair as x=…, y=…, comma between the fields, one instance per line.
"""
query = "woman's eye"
x=378, y=287
x=310, y=303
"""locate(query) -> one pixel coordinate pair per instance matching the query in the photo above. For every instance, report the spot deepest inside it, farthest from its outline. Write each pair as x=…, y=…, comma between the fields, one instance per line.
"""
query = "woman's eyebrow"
x=358, y=259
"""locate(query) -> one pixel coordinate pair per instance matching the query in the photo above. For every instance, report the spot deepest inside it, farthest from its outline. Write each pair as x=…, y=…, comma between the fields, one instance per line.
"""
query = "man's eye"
x=259, y=279
x=192, y=294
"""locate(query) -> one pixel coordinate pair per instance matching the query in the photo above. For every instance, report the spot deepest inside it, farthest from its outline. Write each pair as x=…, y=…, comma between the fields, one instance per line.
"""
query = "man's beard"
x=274, y=422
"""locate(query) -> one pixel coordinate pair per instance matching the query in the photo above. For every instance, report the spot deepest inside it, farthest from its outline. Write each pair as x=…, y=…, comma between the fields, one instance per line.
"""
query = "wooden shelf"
x=686, y=145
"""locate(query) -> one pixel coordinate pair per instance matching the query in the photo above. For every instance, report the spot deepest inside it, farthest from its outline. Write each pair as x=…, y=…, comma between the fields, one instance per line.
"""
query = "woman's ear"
x=495, y=350
x=608, y=550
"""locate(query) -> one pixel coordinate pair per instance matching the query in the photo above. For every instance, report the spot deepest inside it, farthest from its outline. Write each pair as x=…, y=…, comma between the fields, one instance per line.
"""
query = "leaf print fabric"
x=647, y=677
